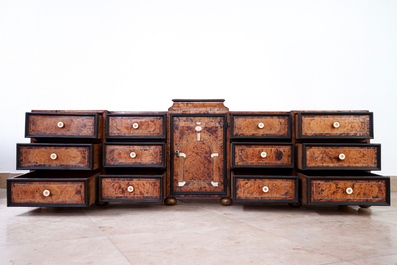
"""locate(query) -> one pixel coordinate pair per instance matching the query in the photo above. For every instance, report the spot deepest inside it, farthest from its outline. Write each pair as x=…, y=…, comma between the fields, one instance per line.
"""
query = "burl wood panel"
x=46, y=125
x=146, y=155
x=200, y=165
x=349, y=125
x=250, y=155
x=143, y=188
x=67, y=156
x=60, y=192
x=278, y=189
x=148, y=126
x=335, y=191
x=328, y=157
x=273, y=126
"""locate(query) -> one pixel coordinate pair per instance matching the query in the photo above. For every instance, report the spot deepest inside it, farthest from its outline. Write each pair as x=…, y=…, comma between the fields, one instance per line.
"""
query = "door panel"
x=198, y=163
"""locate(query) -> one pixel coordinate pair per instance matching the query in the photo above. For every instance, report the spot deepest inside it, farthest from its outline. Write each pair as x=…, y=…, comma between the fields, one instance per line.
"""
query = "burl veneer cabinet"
x=335, y=157
x=64, y=157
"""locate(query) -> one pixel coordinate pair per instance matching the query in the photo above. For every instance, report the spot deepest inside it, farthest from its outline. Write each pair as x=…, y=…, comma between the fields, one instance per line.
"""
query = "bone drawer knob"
x=263, y=154
x=60, y=124
x=336, y=124
x=46, y=193
x=54, y=156
x=130, y=189
x=135, y=125
x=265, y=189
x=261, y=125
x=132, y=154
x=342, y=156
x=349, y=190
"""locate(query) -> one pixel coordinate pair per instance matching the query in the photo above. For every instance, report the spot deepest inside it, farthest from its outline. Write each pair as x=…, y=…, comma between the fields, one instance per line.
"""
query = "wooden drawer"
x=338, y=188
x=339, y=125
x=148, y=188
x=53, y=189
x=63, y=125
x=59, y=156
x=261, y=188
x=276, y=155
x=338, y=156
x=134, y=155
x=255, y=126
x=131, y=126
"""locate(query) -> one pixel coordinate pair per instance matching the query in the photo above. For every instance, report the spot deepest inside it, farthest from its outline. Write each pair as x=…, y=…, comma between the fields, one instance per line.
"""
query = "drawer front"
x=134, y=126
x=56, y=156
x=366, y=157
x=334, y=125
x=134, y=155
x=265, y=189
x=262, y=155
x=50, y=190
x=61, y=125
x=348, y=191
x=132, y=188
x=261, y=126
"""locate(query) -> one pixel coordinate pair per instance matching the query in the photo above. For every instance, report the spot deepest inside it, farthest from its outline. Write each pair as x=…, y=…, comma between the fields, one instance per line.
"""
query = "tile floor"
x=198, y=232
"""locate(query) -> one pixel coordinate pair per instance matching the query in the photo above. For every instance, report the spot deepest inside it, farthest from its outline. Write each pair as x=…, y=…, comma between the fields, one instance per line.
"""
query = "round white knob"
x=342, y=156
x=198, y=128
x=130, y=188
x=349, y=190
x=53, y=156
x=135, y=125
x=263, y=154
x=46, y=193
x=336, y=124
x=60, y=124
x=132, y=154
x=265, y=189
x=261, y=125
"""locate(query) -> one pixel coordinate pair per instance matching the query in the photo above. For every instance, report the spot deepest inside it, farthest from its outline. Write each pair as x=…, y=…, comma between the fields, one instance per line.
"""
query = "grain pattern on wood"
x=66, y=156
x=199, y=167
x=48, y=125
x=131, y=188
x=198, y=106
x=261, y=126
x=337, y=190
x=136, y=126
x=146, y=155
x=265, y=189
x=252, y=155
x=329, y=157
x=347, y=125
x=59, y=192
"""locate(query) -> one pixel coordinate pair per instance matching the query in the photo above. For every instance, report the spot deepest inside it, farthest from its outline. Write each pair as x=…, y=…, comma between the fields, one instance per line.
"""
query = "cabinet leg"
x=365, y=206
x=226, y=201
x=170, y=201
x=295, y=204
x=98, y=203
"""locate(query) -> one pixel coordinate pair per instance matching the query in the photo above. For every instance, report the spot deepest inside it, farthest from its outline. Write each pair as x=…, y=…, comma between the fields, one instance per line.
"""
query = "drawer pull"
x=342, y=156
x=46, y=193
x=349, y=190
x=198, y=128
x=263, y=154
x=130, y=189
x=53, y=156
x=132, y=154
x=60, y=124
x=261, y=125
x=336, y=124
x=265, y=189
x=135, y=125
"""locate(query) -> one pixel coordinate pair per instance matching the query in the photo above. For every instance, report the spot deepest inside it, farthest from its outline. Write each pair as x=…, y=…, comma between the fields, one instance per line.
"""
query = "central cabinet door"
x=198, y=163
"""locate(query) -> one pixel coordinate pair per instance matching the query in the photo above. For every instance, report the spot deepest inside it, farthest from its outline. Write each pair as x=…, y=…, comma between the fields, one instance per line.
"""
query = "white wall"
x=138, y=55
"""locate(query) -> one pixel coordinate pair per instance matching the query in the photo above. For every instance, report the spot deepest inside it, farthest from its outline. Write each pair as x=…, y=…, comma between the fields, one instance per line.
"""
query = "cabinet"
x=199, y=149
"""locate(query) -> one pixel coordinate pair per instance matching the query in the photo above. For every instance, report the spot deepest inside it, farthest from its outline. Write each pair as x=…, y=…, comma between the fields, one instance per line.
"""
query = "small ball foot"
x=295, y=204
x=170, y=201
x=226, y=201
x=98, y=203
x=365, y=206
